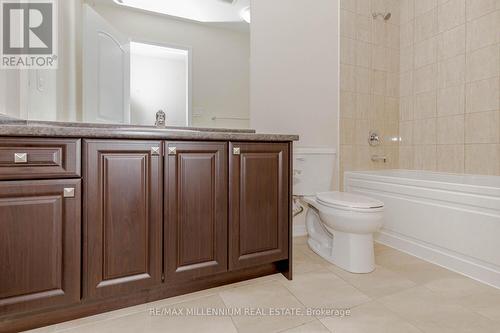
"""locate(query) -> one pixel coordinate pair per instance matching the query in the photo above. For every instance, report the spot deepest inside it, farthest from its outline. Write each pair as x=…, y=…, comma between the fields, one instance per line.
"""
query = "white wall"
x=220, y=60
x=295, y=69
x=48, y=94
x=158, y=83
x=295, y=73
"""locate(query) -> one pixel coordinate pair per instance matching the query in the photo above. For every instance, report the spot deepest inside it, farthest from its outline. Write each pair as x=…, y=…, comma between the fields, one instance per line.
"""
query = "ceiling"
x=207, y=11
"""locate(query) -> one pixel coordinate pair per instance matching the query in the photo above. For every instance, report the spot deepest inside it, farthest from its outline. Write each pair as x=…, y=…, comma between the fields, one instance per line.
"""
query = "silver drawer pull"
x=172, y=150
x=236, y=151
x=20, y=158
x=69, y=192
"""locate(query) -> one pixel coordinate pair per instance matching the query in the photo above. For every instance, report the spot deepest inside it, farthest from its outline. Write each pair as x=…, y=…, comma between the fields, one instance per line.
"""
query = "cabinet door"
x=258, y=203
x=122, y=216
x=40, y=226
x=196, y=210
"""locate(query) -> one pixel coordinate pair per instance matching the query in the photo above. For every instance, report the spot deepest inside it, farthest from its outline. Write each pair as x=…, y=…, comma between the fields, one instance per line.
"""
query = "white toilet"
x=340, y=225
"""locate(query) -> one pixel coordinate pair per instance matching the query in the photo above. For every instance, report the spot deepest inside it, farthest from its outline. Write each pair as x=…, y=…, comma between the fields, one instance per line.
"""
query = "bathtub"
x=447, y=219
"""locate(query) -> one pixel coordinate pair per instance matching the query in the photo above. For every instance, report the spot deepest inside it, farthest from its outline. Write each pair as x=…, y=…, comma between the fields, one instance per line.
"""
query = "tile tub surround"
x=447, y=61
x=369, y=87
x=404, y=294
x=450, y=86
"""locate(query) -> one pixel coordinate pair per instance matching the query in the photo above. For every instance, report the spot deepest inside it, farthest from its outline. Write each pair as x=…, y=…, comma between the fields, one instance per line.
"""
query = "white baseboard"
x=299, y=230
x=441, y=257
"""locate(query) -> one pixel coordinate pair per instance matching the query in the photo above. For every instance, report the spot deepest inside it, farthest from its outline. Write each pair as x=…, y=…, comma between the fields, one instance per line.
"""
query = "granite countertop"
x=28, y=128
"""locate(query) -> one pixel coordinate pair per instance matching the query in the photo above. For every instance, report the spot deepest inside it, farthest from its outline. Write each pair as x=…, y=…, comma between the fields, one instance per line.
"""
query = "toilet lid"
x=344, y=199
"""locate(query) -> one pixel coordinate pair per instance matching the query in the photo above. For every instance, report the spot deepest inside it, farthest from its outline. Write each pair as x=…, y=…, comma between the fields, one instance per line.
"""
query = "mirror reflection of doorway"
x=159, y=80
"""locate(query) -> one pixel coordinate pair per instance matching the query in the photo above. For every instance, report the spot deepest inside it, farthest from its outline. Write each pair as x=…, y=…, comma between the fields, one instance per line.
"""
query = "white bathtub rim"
x=427, y=183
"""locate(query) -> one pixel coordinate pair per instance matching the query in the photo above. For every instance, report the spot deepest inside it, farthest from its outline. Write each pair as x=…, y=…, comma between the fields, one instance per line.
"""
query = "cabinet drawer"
x=30, y=158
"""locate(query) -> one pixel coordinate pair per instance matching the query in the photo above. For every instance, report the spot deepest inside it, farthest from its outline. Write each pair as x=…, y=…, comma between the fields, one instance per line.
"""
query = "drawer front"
x=30, y=158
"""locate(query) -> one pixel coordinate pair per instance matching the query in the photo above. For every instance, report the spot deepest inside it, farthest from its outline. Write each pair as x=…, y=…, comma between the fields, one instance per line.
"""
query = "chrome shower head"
x=385, y=16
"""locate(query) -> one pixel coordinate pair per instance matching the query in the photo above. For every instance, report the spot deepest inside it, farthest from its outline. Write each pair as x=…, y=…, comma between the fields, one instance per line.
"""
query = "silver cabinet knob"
x=20, y=158
x=236, y=151
x=172, y=150
x=69, y=192
x=155, y=151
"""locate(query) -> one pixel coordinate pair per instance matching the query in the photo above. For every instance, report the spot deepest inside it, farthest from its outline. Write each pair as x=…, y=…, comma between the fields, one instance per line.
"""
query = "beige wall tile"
x=347, y=157
x=363, y=80
x=482, y=127
x=364, y=28
x=483, y=31
x=379, y=106
x=450, y=130
x=426, y=52
x=393, y=60
x=406, y=108
x=452, y=43
x=348, y=5
x=392, y=36
x=406, y=154
x=347, y=24
x=407, y=10
x=406, y=58
x=406, y=34
x=424, y=131
x=451, y=14
x=477, y=8
x=347, y=51
x=347, y=104
x=379, y=58
x=347, y=131
x=483, y=95
x=363, y=128
x=363, y=54
x=451, y=72
x=363, y=7
x=426, y=25
x=379, y=82
x=347, y=78
x=451, y=101
x=364, y=107
x=392, y=89
x=425, y=157
x=406, y=84
x=451, y=158
x=406, y=133
x=425, y=105
x=391, y=109
x=483, y=159
x=379, y=33
x=425, y=79
x=394, y=7
x=423, y=6
x=483, y=63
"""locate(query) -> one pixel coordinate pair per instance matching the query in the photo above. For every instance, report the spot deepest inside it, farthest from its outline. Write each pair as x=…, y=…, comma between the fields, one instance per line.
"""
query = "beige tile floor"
x=404, y=294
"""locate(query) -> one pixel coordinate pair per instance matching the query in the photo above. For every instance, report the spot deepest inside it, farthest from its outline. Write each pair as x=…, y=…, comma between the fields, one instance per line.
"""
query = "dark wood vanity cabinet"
x=149, y=219
x=122, y=225
x=39, y=244
x=195, y=210
x=258, y=203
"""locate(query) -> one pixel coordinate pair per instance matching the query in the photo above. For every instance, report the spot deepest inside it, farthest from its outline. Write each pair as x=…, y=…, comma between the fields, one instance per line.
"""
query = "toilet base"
x=351, y=252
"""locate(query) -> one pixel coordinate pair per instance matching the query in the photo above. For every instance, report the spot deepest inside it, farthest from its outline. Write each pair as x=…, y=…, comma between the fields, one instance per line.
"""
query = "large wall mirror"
x=121, y=61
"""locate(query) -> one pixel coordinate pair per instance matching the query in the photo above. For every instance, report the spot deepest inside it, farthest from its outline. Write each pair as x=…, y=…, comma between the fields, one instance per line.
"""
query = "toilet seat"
x=349, y=201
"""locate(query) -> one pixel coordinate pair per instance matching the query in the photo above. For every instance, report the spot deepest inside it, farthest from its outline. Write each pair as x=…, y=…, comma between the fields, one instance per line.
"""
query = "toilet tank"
x=313, y=170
